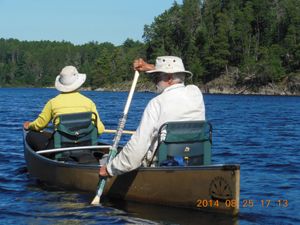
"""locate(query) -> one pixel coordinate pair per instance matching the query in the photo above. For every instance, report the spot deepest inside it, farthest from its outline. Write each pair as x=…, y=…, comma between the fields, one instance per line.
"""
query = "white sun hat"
x=69, y=79
x=169, y=64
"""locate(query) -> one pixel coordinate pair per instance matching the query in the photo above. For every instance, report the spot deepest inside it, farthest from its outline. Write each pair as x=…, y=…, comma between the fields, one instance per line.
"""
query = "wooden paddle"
x=113, y=149
x=115, y=131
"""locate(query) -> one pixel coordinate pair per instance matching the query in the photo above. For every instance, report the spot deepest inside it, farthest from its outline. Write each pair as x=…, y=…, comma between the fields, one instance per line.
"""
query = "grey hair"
x=178, y=77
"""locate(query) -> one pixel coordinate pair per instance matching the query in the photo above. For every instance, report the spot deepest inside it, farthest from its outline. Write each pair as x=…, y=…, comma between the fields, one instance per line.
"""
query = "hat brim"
x=72, y=87
x=153, y=72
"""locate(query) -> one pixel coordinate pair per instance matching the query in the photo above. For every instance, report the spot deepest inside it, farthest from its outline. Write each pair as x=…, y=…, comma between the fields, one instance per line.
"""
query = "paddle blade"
x=101, y=185
x=96, y=200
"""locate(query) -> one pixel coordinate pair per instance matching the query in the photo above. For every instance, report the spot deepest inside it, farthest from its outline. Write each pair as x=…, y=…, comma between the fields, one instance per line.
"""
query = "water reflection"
x=172, y=215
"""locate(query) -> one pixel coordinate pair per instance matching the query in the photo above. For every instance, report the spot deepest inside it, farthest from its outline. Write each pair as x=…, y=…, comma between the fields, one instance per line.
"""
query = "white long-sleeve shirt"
x=175, y=103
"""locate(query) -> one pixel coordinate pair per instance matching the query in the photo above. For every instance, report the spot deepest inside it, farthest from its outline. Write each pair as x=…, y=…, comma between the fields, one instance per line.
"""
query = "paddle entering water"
x=113, y=149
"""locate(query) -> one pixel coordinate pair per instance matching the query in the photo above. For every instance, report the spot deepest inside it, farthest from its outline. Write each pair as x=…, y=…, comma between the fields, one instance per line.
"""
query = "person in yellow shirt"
x=69, y=100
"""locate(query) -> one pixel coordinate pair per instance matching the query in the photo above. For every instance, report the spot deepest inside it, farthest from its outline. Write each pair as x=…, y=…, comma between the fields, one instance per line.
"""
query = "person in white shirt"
x=176, y=102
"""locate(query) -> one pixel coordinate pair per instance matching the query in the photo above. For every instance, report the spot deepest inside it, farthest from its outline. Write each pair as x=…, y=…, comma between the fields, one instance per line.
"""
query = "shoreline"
x=205, y=89
x=270, y=90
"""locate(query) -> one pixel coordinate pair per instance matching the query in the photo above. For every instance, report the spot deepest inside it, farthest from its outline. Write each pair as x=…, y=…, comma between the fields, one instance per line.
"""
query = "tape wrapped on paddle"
x=113, y=149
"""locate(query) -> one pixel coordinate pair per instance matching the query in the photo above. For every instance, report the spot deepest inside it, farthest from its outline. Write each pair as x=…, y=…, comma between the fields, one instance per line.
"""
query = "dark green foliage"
x=37, y=63
x=260, y=38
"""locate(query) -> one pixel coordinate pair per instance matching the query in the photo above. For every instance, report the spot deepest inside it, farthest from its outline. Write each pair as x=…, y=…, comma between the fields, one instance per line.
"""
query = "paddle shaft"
x=125, y=112
x=108, y=131
x=113, y=149
x=115, y=131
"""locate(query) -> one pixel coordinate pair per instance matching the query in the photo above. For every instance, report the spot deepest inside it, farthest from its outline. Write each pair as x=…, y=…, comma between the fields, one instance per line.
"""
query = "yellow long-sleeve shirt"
x=72, y=102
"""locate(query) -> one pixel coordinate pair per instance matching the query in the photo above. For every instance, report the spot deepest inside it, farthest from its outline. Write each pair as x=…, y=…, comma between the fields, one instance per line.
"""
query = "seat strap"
x=78, y=133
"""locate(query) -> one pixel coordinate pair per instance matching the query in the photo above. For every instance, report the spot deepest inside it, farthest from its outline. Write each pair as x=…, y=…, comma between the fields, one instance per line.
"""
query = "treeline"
x=37, y=63
x=256, y=40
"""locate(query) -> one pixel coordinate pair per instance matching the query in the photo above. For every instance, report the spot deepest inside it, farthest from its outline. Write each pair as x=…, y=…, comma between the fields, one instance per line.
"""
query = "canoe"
x=214, y=188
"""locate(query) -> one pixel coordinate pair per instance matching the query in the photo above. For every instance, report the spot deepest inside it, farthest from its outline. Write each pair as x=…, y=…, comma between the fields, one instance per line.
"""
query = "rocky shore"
x=231, y=85
x=222, y=85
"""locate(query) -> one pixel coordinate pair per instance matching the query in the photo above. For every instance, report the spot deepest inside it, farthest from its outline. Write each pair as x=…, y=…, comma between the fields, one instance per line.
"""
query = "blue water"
x=261, y=133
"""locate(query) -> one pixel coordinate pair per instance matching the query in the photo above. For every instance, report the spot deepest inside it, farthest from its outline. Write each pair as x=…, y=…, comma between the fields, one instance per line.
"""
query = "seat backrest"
x=184, y=143
x=75, y=129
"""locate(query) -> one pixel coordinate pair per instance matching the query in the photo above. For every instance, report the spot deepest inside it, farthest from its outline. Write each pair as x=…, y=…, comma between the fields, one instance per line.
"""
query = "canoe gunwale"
x=84, y=166
x=59, y=174
x=177, y=168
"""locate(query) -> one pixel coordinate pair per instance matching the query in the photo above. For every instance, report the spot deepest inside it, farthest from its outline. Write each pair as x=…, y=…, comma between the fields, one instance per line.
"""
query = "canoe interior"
x=210, y=188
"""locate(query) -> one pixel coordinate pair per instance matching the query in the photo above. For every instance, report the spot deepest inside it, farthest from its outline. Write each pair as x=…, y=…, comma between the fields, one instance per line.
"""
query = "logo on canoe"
x=219, y=189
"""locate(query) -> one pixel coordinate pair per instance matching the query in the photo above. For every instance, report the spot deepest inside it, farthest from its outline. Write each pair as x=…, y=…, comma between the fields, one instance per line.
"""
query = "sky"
x=79, y=21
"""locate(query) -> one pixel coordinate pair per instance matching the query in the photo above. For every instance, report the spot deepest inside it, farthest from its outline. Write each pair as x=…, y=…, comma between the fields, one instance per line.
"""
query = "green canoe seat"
x=184, y=143
x=72, y=130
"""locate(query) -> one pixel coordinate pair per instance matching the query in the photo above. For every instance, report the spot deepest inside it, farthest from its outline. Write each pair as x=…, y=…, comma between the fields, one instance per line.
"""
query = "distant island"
x=232, y=47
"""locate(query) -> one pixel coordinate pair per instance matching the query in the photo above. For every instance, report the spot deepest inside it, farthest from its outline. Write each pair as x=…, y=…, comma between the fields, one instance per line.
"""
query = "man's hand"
x=141, y=66
x=26, y=125
x=103, y=172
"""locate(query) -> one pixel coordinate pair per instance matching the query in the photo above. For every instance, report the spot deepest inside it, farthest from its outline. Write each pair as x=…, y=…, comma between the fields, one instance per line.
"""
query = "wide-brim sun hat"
x=169, y=64
x=69, y=79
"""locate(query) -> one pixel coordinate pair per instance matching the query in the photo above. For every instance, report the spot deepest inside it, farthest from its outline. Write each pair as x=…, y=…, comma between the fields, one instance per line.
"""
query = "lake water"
x=261, y=133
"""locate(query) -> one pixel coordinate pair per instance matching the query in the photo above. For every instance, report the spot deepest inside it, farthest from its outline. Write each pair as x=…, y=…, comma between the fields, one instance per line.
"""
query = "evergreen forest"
x=251, y=43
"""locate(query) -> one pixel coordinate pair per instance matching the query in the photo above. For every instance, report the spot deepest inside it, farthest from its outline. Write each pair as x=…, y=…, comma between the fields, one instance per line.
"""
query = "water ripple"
x=261, y=133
